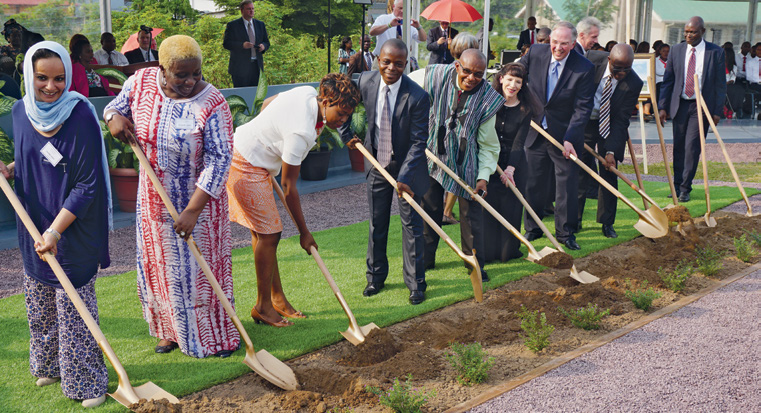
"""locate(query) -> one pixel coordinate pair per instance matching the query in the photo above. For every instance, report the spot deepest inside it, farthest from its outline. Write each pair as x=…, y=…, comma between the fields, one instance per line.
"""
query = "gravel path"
x=704, y=357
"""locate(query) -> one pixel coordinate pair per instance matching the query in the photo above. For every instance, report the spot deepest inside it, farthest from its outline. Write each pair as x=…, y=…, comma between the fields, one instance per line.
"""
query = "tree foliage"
x=601, y=9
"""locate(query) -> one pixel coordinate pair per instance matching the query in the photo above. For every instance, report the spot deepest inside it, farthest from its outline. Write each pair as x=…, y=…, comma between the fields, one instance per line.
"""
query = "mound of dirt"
x=155, y=406
x=558, y=259
x=379, y=346
x=678, y=213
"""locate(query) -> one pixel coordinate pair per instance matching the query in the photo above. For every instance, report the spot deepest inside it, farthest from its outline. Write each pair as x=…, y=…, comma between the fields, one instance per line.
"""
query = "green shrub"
x=709, y=260
x=536, y=328
x=587, y=318
x=470, y=361
x=755, y=236
x=642, y=298
x=402, y=397
x=676, y=279
x=744, y=248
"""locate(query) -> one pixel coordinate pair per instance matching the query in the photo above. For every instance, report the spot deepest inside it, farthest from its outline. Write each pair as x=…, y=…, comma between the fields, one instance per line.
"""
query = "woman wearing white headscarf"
x=62, y=182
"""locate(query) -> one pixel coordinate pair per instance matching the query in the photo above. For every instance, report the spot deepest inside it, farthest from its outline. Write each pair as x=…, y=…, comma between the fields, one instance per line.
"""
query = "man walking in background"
x=246, y=39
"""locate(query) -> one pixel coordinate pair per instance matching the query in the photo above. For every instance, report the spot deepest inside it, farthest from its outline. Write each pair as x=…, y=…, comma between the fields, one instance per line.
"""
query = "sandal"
x=297, y=314
x=259, y=320
x=166, y=349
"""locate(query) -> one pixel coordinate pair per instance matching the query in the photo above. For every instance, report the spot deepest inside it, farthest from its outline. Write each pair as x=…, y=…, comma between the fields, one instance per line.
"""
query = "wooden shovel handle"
x=193, y=247
x=636, y=166
x=651, y=86
x=701, y=128
x=481, y=201
x=95, y=330
x=619, y=174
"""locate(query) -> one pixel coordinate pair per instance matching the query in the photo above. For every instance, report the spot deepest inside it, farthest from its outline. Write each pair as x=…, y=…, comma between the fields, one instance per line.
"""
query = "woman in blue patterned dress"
x=344, y=53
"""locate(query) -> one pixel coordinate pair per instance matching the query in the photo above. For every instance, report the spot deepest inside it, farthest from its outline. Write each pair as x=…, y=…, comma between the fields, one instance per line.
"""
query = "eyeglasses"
x=467, y=72
x=615, y=69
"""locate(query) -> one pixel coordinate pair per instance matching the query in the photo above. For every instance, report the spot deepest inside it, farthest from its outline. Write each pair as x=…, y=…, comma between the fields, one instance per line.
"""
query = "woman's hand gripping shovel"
x=538, y=257
x=125, y=393
x=262, y=362
x=653, y=223
x=583, y=276
x=355, y=334
x=475, y=273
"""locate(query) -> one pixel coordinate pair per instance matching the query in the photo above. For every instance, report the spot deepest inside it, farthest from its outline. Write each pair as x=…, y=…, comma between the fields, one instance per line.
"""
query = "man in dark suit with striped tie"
x=617, y=91
x=246, y=39
x=677, y=98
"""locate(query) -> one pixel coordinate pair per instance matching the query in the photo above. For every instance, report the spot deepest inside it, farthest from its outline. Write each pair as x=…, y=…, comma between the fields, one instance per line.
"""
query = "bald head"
x=694, y=31
x=620, y=60
x=474, y=58
x=394, y=46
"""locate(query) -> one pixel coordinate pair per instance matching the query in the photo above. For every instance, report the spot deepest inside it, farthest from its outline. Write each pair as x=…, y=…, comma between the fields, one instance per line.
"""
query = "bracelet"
x=389, y=25
x=53, y=232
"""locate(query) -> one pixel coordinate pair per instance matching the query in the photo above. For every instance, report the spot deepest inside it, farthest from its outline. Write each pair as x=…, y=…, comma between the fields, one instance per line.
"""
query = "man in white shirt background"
x=107, y=55
x=388, y=26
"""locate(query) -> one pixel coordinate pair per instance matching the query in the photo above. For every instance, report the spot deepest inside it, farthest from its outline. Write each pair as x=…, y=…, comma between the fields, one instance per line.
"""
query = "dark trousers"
x=249, y=77
x=500, y=244
x=471, y=224
x=606, y=201
x=380, y=194
x=544, y=160
x=735, y=94
x=686, y=145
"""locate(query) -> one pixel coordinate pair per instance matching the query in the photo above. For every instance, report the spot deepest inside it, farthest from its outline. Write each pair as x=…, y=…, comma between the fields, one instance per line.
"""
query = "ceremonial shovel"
x=533, y=254
x=636, y=167
x=262, y=362
x=582, y=277
x=623, y=177
x=125, y=393
x=355, y=334
x=726, y=157
x=663, y=145
x=709, y=220
x=652, y=223
x=475, y=273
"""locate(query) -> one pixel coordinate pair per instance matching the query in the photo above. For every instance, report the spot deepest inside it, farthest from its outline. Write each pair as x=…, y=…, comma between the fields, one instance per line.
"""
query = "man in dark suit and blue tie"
x=564, y=82
x=397, y=133
x=246, y=39
x=617, y=91
x=677, y=98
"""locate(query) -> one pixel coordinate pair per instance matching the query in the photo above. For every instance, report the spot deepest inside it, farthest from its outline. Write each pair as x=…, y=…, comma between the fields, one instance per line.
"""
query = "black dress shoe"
x=484, y=276
x=685, y=197
x=372, y=289
x=223, y=354
x=669, y=195
x=571, y=244
x=609, y=232
x=531, y=235
x=416, y=297
x=166, y=349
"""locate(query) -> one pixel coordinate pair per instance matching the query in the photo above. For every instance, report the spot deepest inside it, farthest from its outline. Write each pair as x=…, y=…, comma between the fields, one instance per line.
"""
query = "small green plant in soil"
x=587, y=318
x=744, y=248
x=676, y=279
x=642, y=298
x=755, y=236
x=470, y=361
x=709, y=260
x=402, y=397
x=537, y=330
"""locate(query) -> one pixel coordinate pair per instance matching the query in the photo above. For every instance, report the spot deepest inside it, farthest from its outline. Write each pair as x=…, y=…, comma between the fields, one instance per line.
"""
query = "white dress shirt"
x=752, y=71
x=393, y=92
x=700, y=52
x=739, y=60
x=600, y=89
x=118, y=59
x=560, y=68
x=150, y=54
x=660, y=69
x=732, y=75
x=390, y=33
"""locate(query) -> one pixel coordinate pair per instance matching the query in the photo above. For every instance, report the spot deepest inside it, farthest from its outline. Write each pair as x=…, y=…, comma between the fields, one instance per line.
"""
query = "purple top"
x=76, y=183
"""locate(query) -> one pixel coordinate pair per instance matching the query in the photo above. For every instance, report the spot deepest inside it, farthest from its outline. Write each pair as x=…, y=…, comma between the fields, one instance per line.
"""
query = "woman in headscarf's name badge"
x=51, y=154
x=184, y=123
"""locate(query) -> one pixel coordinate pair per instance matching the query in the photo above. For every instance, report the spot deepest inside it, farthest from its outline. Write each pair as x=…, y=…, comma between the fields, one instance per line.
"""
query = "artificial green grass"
x=717, y=171
x=343, y=250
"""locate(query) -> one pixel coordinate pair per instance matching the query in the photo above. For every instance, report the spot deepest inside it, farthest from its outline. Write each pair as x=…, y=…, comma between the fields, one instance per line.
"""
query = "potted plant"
x=124, y=167
x=7, y=214
x=359, y=127
x=315, y=165
x=242, y=114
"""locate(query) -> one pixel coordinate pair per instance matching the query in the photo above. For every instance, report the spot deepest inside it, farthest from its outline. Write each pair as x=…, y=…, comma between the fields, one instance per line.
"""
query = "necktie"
x=552, y=80
x=532, y=37
x=384, y=138
x=607, y=91
x=251, y=38
x=744, y=63
x=148, y=56
x=110, y=61
x=368, y=60
x=399, y=31
x=689, y=83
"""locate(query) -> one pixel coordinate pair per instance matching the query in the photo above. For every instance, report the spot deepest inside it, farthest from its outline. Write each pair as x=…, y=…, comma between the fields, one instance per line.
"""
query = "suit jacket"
x=136, y=56
x=235, y=35
x=409, y=128
x=622, y=104
x=579, y=49
x=358, y=64
x=714, y=87
x=440, y=53
x=572, y=100
x=525, y=38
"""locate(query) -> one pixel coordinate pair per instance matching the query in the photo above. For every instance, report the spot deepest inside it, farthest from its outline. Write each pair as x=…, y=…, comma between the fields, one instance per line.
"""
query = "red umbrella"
x=132, y=44
x=451, y=11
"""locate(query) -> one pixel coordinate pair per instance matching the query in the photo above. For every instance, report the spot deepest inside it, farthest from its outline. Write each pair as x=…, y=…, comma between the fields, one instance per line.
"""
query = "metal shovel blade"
x=357, y=337
x=709, y=220
x=659, y=226
x=271, y=369
x=475, y=276
x=148, y=391
x=583, y=276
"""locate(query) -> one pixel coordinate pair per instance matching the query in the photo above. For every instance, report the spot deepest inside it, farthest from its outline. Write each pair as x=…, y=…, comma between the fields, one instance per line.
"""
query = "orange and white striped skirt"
x=252, y=202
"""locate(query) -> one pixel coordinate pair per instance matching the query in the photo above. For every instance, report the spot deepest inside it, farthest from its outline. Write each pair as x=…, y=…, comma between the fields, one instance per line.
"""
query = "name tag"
x=185, y=123
x=51, y=154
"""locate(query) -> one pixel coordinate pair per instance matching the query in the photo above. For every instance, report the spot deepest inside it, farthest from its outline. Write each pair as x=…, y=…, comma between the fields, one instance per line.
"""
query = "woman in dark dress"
x=512, y=125
x=62, y=182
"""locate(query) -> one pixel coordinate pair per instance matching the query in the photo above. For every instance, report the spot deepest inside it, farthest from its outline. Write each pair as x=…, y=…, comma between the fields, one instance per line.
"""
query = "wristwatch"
x=109, y=116
x=54, y=233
